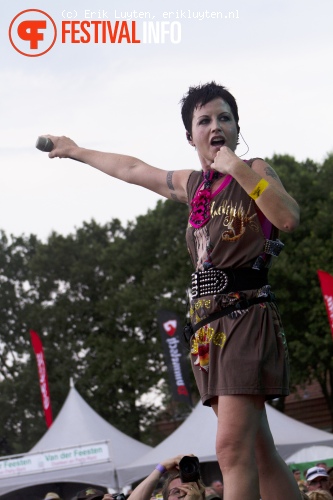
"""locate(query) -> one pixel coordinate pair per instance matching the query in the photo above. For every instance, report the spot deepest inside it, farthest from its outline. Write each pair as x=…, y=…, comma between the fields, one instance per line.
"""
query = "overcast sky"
x=275, y=56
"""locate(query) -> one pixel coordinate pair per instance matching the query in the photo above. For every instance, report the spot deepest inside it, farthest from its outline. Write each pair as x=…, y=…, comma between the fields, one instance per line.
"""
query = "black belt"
x=215, y=281
x=189, y=330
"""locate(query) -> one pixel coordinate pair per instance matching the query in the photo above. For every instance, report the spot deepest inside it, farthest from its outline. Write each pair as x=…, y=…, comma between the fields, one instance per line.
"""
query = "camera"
x=119, y=496
x=189, y=469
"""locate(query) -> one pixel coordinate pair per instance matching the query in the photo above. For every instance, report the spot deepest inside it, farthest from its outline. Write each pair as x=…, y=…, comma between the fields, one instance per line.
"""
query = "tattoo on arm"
x=271, y=172
x=169, y=180
x=170, y=185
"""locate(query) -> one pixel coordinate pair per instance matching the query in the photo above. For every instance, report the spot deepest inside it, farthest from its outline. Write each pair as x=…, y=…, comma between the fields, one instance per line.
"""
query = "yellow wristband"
x=259, y=189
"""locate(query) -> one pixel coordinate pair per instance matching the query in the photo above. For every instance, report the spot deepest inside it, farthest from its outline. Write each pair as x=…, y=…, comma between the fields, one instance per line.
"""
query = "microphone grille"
x=44, y=144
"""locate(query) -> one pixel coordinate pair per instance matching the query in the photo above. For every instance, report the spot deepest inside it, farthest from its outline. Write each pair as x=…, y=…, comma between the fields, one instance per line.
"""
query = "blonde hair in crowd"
x=319, y=495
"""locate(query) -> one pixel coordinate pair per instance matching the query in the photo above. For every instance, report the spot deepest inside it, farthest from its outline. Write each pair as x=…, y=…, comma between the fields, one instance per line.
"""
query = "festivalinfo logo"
x=33, y=32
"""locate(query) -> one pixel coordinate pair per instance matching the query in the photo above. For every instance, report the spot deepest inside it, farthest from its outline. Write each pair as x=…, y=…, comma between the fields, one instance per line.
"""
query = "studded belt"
x=215, y=281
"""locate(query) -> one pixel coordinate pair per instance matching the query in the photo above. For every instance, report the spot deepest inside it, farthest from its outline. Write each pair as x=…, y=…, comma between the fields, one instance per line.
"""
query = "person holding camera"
x=183, y=481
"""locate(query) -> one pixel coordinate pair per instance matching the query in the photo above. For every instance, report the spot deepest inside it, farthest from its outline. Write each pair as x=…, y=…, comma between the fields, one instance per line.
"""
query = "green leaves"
x=93, y=298
x=294, y=273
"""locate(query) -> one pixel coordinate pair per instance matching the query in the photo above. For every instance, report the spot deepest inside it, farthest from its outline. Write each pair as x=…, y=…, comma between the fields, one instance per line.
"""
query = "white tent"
x=80, y=446
x=197, y=435
x=127, y=460
x=311, y=454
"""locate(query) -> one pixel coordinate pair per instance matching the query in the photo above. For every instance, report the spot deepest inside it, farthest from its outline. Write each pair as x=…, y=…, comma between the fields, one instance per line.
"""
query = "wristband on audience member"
x=160, y=468
x=259, y=189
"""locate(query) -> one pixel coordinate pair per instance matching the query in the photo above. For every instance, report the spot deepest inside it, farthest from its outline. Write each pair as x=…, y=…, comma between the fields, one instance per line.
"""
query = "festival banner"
x=85, y=454
x=44, y=386
x=170, y=328
x=326, y=283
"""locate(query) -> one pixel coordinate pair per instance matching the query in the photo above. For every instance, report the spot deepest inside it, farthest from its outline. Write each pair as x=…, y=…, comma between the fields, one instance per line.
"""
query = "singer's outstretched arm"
x=275, y=203
x=170, y=184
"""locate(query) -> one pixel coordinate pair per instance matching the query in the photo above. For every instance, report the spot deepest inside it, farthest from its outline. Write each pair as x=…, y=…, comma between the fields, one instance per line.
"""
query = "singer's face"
x=213, y=126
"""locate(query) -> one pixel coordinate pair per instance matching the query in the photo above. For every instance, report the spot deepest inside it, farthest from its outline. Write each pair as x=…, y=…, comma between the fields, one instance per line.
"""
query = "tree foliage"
x=93, y=296
x=294, y=274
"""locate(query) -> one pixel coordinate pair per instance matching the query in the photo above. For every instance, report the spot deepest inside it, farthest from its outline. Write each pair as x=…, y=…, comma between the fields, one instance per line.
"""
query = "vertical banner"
x=326, y=283
x=44, y=386
x=170, y=328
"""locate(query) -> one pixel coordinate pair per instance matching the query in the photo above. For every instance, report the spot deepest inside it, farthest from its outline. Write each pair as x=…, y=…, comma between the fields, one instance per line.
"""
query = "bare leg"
x=239, y=419
x=276, y=479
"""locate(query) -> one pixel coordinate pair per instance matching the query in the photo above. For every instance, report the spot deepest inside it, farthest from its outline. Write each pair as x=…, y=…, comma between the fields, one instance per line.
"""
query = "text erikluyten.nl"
x=147, y=15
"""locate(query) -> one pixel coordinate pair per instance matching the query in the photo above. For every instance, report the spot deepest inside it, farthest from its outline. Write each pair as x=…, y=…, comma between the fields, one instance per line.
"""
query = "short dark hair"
x=201, y=95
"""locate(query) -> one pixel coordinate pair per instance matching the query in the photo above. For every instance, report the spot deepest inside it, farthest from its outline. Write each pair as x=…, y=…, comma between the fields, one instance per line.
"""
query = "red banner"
x=326, y=282
x=44, y=386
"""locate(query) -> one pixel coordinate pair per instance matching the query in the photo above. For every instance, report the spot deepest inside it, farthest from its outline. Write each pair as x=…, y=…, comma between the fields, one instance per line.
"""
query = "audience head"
x=323, y=465
x=170, y=490
x=89, y=494
x=217, y=485
x=297, y=474
x=319, y=495
x=211, y=494
x=317, y=479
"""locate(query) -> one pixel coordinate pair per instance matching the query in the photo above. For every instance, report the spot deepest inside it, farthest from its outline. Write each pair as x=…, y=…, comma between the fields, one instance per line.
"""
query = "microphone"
x=46, y=145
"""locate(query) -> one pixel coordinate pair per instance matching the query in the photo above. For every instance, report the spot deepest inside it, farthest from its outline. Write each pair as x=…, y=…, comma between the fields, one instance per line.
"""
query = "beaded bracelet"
x=160, y=468
x=259, y=189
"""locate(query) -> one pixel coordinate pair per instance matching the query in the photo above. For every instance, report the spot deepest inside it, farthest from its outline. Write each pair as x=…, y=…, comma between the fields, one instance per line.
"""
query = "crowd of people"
x=318, y=482
x=157, y=487
x=165, y=483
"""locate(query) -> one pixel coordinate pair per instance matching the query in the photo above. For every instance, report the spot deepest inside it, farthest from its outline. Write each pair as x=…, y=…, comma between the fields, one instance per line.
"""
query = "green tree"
x=93, y=298
x=19, y=396
x=295, y=272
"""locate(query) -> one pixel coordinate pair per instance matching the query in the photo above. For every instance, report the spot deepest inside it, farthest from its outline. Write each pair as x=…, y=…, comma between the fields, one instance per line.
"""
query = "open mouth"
x=217, y=141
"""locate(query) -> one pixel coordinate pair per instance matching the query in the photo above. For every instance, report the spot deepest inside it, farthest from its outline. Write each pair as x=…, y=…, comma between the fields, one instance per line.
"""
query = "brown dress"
x=244, y=352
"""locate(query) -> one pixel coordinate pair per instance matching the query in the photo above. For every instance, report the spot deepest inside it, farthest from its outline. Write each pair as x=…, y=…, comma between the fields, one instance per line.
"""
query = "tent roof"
x=288, y=432
x=78, y=424
x=197, y=435
x=311, y=454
